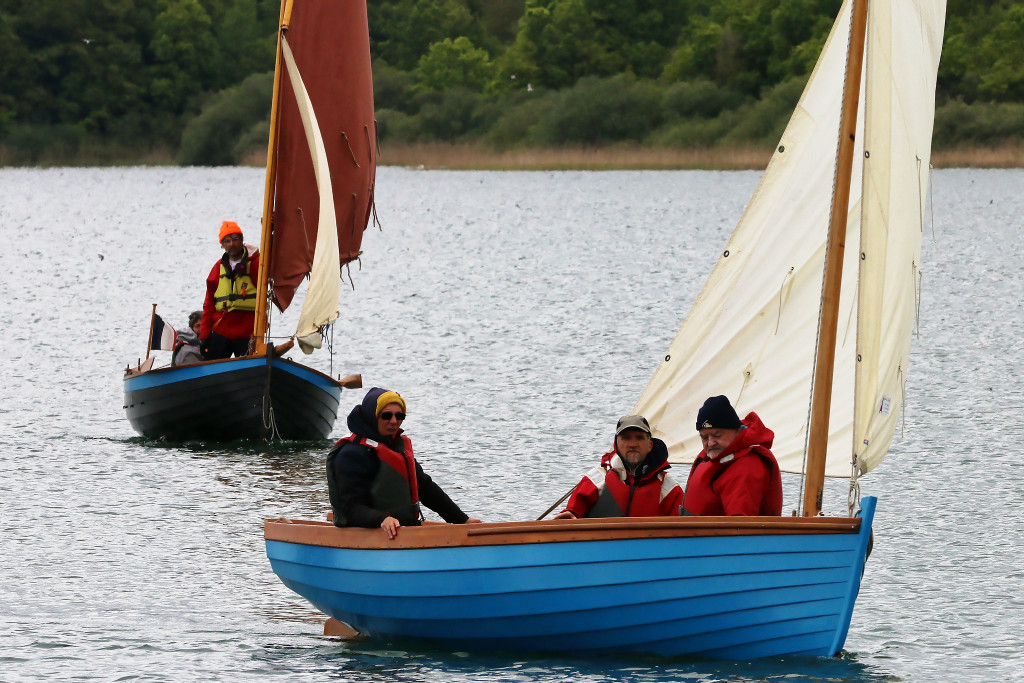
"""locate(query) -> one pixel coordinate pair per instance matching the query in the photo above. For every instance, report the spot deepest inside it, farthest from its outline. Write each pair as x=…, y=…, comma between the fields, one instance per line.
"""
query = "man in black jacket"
x=372, y=476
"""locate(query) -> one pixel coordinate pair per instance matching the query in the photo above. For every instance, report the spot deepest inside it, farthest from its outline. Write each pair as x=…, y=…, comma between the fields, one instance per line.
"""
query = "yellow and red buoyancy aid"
x=236, y=293
x=394, y=489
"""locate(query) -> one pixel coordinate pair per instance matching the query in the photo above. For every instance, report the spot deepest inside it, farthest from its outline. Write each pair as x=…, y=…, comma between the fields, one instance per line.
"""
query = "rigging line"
x=355, y=214
x=903, y=402
x=330, y=349
x=351, y=281
x=350, y=150
x=919, y=276
x=373, y=210
x=853, y=497
x=305, y=235
x=920, y=217
x=931, y=201
x=782, y=288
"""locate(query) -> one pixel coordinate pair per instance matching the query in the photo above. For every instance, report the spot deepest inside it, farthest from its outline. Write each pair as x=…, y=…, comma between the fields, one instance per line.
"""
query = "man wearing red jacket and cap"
x=231, y=295
x=736, y=473
x=632, y=479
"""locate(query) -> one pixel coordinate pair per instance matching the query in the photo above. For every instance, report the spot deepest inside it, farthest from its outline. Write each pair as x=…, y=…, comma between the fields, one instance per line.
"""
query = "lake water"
x=519, y=314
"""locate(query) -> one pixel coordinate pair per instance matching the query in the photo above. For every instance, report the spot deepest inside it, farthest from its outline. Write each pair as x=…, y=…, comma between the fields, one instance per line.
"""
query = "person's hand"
x=564, y=515
x=473, y=520
x=390, y=525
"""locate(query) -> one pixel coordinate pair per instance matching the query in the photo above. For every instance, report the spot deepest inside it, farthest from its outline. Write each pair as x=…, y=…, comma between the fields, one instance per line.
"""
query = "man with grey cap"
x=632, y=479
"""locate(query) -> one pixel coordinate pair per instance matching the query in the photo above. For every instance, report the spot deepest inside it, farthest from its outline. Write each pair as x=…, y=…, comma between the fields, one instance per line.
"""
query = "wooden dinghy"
x=718, y=587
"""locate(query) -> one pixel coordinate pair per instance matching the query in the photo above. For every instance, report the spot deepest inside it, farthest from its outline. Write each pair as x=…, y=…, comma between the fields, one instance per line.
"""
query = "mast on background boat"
x=821, y=388
x=266, y=236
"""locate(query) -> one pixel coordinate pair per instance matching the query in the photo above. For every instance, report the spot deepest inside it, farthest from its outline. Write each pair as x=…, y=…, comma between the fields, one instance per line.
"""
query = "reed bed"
x=471, y=157
x=1002, y=156
x=463, y=156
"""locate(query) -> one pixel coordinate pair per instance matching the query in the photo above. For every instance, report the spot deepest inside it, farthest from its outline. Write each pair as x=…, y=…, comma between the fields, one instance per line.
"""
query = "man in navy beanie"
x=736, y=473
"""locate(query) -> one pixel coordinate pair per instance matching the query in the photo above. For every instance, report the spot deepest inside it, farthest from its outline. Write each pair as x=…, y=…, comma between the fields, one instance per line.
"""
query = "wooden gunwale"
x=325, y=534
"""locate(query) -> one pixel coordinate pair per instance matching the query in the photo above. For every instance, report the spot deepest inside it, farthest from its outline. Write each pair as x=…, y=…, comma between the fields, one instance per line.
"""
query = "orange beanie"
x=228, y=228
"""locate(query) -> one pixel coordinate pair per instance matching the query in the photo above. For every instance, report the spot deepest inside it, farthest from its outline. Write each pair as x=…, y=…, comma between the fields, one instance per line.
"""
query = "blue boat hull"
x=775, y=589
x=224, y=400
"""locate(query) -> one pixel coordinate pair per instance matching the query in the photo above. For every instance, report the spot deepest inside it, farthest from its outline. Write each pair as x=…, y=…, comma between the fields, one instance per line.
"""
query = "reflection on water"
x=519, y=314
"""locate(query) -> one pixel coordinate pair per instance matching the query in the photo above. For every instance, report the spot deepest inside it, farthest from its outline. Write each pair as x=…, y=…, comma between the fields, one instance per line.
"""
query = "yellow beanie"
x=389, y=397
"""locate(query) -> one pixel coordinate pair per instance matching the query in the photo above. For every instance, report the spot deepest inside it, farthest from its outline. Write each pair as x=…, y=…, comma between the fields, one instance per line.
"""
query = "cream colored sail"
x=751, y=333
x=321, y=304
x=901, y=67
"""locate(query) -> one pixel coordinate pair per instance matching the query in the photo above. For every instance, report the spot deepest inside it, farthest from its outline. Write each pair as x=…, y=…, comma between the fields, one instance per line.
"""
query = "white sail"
x=751, y=334
x=321, y=304
x=900, y=68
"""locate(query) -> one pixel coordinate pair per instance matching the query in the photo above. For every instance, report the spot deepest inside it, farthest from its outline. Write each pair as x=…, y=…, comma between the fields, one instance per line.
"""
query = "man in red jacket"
x=736, y=473
x=231, y=295
x=632, y=479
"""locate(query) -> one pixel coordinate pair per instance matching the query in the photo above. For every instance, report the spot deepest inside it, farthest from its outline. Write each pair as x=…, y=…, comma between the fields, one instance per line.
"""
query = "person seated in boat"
x=229, y=310
x=632, y=479
x=736, y=472
x=186, y=345
x=373, y=478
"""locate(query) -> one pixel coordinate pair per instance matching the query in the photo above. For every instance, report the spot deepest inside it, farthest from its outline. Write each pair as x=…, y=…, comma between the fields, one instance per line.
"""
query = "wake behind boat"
x=787, y=320
x=318, y=199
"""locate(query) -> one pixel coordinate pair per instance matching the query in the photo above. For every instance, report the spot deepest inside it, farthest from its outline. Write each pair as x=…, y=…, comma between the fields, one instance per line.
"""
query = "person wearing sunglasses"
x=372, y=476
x=632, y=479
x=230, y=306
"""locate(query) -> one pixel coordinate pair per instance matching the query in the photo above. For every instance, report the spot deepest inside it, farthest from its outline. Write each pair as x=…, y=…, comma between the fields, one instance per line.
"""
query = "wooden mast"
x=821, y=391
x=266, y=238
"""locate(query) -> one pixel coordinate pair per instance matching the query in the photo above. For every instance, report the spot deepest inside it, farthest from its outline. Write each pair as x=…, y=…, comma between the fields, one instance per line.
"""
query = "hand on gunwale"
x=390, y=525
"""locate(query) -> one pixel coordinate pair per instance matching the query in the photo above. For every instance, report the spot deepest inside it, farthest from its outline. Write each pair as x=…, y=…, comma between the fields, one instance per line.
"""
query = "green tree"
x=557, y=46
x=455, y=63
x=184, y=53
x=1003, y=51
x=403, y=30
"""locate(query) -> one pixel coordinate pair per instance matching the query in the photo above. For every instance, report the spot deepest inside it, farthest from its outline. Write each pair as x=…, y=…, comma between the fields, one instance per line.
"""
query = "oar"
x=557, y=503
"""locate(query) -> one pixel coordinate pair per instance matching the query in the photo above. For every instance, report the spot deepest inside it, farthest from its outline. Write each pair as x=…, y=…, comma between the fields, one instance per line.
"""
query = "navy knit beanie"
x=717, y=413
x=368, y=408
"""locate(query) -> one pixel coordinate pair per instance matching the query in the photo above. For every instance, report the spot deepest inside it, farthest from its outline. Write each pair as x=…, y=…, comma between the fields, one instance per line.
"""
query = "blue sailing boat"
x=788, y=319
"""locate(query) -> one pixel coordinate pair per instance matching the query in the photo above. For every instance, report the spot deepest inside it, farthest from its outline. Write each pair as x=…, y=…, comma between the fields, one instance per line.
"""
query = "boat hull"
x=224, y=400
x=710, y=587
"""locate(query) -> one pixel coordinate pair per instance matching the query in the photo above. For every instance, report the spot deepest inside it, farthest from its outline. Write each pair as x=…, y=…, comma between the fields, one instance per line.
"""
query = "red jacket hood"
x=754, y=433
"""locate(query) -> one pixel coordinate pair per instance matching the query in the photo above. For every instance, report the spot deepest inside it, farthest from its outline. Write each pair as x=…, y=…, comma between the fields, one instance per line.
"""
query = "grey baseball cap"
x=632, y=422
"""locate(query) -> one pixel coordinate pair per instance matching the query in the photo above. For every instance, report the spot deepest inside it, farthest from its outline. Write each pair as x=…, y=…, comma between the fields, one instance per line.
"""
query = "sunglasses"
x=230, y=239
x=387, y=416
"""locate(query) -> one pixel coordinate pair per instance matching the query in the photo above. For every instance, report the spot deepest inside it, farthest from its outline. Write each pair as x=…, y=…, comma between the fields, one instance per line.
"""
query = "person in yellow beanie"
x=373, y=477
x=231, y=296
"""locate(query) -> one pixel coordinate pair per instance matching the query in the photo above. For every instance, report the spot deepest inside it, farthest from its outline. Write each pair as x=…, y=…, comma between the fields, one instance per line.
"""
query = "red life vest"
x=651, y=496
x=748, y=484
x=394, y=489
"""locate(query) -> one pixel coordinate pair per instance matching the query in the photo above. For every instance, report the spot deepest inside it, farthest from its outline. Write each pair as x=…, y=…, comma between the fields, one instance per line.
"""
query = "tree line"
x=113, y=79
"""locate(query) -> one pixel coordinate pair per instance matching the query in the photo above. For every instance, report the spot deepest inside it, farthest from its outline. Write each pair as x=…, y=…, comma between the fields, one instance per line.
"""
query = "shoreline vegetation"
x=478, y=84
x=463, y=156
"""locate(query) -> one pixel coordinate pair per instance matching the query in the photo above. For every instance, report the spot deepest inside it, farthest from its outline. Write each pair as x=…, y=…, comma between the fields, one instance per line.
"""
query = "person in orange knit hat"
x=231, y=296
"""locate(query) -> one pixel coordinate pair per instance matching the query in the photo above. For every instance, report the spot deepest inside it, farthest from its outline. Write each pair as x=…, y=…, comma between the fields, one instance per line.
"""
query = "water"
x=519, y=314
